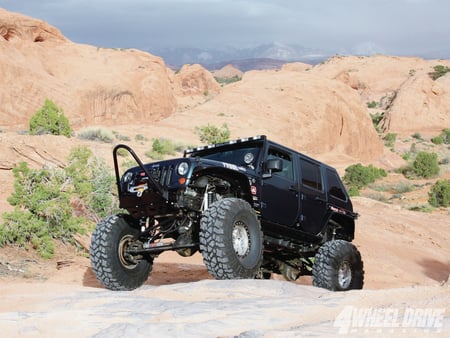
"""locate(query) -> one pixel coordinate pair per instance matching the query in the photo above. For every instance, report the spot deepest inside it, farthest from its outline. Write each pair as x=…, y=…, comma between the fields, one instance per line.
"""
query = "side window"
x=286, y=160
x=335, y=187
x=311, y=174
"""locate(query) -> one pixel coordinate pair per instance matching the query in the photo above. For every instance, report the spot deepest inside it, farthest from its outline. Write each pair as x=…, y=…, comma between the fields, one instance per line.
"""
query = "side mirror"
x=272, y=165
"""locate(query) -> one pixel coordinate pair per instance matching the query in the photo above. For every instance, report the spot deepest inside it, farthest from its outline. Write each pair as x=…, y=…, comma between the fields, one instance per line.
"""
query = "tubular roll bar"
x=141, y=165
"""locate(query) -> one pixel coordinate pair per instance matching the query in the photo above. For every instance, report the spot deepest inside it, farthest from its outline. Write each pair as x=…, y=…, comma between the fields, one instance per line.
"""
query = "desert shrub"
x=401, y=188
x=140, y=137
x=376, y=119
x=121, y=137
x=437, y=140
x=161, y=147
x=122, y=152
x=96, y=134
x=425, y=164
x=372, y=104
x=398, y=188
x=439, y=70
x=102, y=199
x=439, y=195
x=445, y=135
x=228, y=80
x=358, y=176
x=93, y=183
x=353, y=191
x=42, y=210
x=389, y=139
x=50, y=119
x=377, y=197
x=56, y=203
x=213, y=135
x=417, y=136
x=444, y=161
x=422, y=208
x=128, y=163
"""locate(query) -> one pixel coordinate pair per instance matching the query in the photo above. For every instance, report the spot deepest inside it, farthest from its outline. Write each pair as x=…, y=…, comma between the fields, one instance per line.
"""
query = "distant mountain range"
x=267, y=56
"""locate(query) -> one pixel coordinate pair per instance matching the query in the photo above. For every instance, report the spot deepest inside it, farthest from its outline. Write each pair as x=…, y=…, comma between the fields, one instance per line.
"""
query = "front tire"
x=111, y=264
x=338, y=267
x=231, y=240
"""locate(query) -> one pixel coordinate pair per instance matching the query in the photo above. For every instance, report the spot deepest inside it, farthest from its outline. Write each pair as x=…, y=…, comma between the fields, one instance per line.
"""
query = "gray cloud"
x=392, y=26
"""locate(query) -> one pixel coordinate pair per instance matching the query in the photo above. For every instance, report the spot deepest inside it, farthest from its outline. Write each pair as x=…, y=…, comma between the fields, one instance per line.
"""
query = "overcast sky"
x=399, y=27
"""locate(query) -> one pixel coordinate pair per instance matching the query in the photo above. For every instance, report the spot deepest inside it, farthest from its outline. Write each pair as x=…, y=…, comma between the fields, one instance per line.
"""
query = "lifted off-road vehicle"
x=251, y=207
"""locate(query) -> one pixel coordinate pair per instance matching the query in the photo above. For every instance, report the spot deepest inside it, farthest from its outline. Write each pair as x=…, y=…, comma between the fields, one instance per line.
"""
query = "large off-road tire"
x=231, y=240
x=111, y=265
x=338, y=267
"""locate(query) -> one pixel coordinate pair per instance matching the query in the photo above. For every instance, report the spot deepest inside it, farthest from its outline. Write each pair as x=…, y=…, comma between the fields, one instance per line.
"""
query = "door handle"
x=294, y=188
x=320, y=199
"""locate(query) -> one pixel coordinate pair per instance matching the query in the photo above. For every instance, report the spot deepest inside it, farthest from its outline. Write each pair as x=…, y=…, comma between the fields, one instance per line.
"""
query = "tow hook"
x=139, y=189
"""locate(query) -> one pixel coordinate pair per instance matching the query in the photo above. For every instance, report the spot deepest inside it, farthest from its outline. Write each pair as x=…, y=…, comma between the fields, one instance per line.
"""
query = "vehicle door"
x=279, y=195
x=313, y=202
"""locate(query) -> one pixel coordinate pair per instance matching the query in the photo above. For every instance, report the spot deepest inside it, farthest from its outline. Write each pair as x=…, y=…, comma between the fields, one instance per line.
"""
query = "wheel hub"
x=344, y=275
x=241, y=239
x=125, y=258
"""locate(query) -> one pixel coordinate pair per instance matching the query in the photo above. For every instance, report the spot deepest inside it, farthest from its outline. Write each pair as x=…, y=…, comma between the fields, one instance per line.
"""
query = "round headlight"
x=183, y=168
x=127, y=177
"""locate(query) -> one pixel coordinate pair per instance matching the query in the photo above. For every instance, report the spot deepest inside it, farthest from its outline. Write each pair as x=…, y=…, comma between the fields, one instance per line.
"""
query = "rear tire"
x=338, y=267
x=112, y=266
x=231, y=240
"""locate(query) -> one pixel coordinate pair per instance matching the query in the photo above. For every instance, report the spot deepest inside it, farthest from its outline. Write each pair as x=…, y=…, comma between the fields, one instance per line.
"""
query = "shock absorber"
x=209, y=197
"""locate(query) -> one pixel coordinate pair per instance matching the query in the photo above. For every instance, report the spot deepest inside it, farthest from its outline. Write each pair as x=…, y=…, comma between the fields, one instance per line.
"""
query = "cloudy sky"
x=402, y=27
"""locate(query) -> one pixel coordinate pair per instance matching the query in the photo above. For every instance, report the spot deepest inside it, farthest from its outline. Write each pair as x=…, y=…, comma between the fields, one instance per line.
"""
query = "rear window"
x=311, y=174
x=335, y=188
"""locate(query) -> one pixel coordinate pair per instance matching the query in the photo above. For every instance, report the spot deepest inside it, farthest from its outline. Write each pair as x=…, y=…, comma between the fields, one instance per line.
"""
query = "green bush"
x=445, y=135
x=358, y=176
x=417, y=136
x=372, y=104
x=437, y=140
x=228, y=80
x=120, y=137
x=426, y=164
x=213, y=135
x=376, y=119
x=50, y=119
x=96, y=134
x=161, y=147
x=389, y=139
x=353, y=191
x=140, y=137
x=93, y=183
x=439, y=196
x=55, y=203
x=42, y=210
x=439, y=71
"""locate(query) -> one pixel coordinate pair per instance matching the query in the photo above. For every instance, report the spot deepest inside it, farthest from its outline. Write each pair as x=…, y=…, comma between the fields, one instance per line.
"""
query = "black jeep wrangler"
x=252, y=207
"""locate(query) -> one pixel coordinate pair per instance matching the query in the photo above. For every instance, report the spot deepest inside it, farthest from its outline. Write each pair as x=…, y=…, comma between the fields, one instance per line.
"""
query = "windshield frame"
x=232, y=153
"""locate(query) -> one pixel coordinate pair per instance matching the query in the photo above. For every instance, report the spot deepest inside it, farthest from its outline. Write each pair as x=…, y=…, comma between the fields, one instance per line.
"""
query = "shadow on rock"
x=162, y=274
x=435, y=269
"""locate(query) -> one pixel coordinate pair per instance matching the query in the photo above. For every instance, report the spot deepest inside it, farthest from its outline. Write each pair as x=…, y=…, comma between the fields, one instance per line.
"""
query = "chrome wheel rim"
x=344, y=275
x=240, y=239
